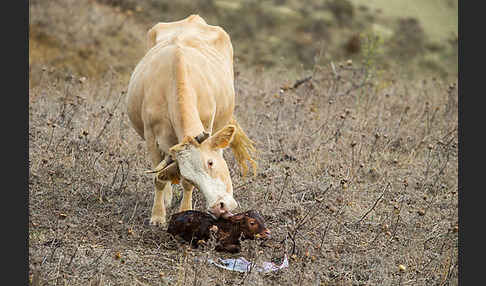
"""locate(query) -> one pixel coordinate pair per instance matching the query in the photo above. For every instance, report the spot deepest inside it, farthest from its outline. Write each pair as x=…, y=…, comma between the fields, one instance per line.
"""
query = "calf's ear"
x=237, y=217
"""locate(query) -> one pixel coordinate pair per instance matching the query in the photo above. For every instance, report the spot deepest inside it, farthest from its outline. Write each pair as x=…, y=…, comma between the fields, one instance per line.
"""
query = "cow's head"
x=199, y=160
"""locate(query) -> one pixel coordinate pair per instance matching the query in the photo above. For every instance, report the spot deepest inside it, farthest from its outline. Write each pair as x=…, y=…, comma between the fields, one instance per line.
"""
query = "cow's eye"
x=210, y=163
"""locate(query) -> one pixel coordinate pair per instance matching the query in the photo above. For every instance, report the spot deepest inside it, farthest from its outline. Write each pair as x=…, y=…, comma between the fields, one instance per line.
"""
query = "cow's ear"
x=186, y=143
x=222, y=138
x=169, y=173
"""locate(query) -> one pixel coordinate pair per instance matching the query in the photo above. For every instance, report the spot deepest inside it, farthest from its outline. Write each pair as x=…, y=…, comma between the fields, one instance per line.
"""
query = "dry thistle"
x=344, y=183
x=385, y=227
x=201, y=242
x=331, y=208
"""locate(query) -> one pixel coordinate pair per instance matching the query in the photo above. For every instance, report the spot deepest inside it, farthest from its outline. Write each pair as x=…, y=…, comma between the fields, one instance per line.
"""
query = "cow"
x=181, y=100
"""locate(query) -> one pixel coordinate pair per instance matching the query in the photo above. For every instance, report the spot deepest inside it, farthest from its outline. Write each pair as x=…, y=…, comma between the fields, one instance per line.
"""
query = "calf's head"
x=251, y=224
x=200, y=162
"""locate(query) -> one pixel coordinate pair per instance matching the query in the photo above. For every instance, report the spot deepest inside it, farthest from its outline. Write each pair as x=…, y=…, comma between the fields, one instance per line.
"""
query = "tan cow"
x=181, y=100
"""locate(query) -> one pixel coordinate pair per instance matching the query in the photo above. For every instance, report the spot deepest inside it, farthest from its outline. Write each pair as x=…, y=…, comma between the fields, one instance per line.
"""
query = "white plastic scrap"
x=243, y=265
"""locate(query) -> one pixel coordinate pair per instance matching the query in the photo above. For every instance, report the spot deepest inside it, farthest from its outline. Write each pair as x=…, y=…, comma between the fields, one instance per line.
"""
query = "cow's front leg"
x=158, y=216
x=186, y=203
x=159, y=207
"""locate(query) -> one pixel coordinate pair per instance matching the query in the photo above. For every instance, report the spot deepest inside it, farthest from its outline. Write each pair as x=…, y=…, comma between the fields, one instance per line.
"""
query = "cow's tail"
x=243, y=149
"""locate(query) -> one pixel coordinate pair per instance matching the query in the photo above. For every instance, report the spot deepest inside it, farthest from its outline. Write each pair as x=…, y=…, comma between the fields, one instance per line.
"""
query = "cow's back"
x=207, y=54
x=192, y=31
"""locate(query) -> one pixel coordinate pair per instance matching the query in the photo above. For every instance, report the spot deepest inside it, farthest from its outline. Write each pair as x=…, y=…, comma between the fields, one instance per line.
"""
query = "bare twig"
x=374, y=205
x=72, y=257
x=336, y=75
x=36, y=279
x=301, y=81
x=110, y=116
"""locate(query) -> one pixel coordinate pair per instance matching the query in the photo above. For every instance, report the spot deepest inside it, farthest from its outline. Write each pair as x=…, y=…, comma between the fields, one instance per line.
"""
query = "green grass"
x=438, y=17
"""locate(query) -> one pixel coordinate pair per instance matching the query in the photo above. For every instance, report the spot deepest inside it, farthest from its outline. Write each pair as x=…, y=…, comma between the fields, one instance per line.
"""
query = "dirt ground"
x=357, y=180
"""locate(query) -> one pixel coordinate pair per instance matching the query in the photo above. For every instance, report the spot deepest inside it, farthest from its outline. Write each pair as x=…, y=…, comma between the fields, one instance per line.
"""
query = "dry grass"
x=84, y=38
x=351, y=185
x=358, y=174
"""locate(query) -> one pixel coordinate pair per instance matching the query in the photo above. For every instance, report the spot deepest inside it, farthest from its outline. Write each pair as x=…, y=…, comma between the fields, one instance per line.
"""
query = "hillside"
x=95, y=36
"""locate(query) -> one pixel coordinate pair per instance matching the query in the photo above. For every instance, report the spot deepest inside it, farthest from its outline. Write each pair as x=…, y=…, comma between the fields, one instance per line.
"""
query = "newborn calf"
x=193, y=226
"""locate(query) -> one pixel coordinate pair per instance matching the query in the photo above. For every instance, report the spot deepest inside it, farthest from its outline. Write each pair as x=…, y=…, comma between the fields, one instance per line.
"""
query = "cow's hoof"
x=158, y=221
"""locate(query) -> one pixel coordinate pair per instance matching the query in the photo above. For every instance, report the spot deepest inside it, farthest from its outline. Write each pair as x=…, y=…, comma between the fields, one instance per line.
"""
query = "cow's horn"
x=164, y=163
x=201, y=137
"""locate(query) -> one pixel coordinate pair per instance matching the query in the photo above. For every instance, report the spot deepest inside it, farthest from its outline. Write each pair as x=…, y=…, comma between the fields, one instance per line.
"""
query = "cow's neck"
x=188, y=119
x=190, y=122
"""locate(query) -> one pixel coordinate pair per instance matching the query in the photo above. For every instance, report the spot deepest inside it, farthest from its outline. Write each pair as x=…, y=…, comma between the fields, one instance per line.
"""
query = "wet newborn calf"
x=193, y=226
